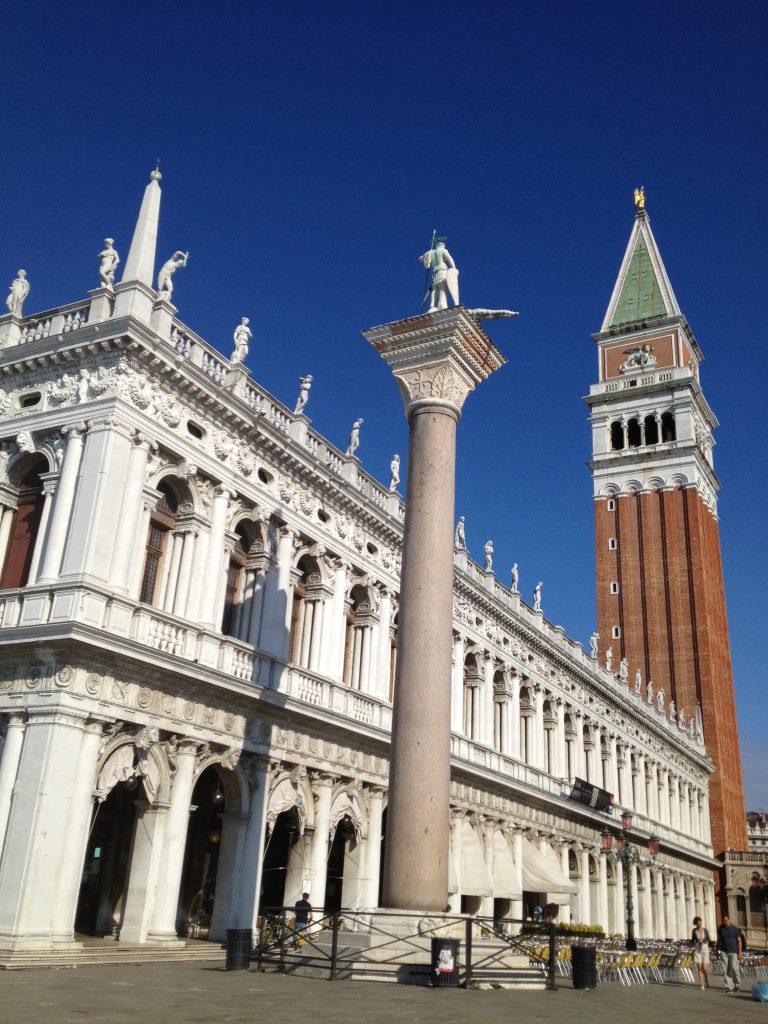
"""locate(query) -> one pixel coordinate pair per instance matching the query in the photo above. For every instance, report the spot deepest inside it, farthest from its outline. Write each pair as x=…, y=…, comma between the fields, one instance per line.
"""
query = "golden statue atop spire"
x=640, y=198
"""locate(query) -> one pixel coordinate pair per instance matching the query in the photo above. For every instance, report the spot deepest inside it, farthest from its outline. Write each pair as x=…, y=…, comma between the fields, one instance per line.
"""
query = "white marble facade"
x=198, y=633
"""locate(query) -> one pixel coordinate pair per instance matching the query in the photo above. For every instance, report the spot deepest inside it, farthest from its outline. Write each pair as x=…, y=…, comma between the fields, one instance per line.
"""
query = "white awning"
x=505, y=884
x=542, y=873
x=474, y=879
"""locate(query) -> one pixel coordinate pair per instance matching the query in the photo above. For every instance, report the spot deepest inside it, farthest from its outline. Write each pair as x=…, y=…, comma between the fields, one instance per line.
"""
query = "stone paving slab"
x=196, y=993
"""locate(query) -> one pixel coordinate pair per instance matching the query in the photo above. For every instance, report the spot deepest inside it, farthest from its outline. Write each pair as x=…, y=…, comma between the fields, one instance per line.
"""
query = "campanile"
x=660, y=595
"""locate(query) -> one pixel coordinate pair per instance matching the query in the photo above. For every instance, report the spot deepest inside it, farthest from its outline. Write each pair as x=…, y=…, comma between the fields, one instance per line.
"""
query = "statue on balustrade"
x=168, y=269
x=594, y=645
x=305, y=383
x=354, y=437
x=515, y=578
x=109, y=260
x=241, y=338
x=488, y=549
x=394, y=472
x=18, y=293
x=609, y=658
x=459, y=540
x=537, y=596
x=649, y=692
x=624, y=671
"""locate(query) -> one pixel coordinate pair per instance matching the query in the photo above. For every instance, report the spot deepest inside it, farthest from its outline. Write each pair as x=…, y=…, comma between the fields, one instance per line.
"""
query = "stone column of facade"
x=560, y=754
x=233, y=828
x=632, y=882
x=564, y=915
x=44, y=798
x=580, y=754
x=613, y=767
x=65, y=494
x=659, y=925
x=278, y=598
x=318, y=857
x=145, y=870
x=437, y=360
x=130, y=514
x=174, y=842
x=245, y=897
x=49, y=481
x=381, y=687
x=514, y=711
x=212, y=571
x=149, y=501
x=487, y=700
x=602, y=901
x=9, y=766
x=486, y=830
x=256, y=603
x=454, y=896
x=647, y=906
x=70, y=867
x=620, y=903
x=584, y=908
x=6, y=521
x=537, y=732
x=186, y=568
x=675, y=804
x=516, y=908
x=457, y=685
x=373, y=848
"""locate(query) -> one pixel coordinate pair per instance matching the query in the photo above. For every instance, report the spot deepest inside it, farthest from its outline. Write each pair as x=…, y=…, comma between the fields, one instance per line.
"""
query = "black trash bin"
x=239, y=944
x=445, y=963
x=584, y=966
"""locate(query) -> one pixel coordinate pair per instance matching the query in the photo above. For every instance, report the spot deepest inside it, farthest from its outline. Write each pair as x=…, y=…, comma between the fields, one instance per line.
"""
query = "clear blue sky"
x=309, y=149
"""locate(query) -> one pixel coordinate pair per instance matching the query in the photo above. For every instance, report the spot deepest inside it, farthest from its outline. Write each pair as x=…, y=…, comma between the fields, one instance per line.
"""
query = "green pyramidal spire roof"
x=642, y=288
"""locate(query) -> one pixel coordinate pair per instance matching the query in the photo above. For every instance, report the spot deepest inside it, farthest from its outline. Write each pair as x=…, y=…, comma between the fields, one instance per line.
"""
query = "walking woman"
x=700, y=941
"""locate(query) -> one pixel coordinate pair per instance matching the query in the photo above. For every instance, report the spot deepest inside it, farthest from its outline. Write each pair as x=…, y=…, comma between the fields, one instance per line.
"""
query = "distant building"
x=198, y=634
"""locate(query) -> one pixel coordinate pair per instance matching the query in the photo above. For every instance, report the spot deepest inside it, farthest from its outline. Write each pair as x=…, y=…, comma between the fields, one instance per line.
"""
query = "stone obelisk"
x=437, y=359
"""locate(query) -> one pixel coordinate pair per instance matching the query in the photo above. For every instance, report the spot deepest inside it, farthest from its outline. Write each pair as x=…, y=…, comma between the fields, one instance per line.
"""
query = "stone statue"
x=609, y=658
x=445, y=276
x=640, y=198
x=19, y=291
x=515, y=578
x=672, y=715
x=649, y=693
x=594, y=645
x=681, y=719
x=394, y=472
x=168, y=269
x=624, y=671
x=537, y=596
x=660, y=701
x=640, y=358
x=638, y=682
x=354, y=437
x=488, y=549
x=241, y=338
x=459, y=540
x=305, y=383
x=692, y=728
x=109, y=260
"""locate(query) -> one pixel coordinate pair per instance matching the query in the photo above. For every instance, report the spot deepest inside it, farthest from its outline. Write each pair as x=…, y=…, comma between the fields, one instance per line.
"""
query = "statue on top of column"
x=109, y=259
x=515, y=577
x=537, y=596
x=168, y=269
x=488, y=549
x=594, y=644
x=445, y=275
x=241, y=337
x=459, y=540
x=305, y=383
x=19, y=290
x=354, y=437
x=394, y=472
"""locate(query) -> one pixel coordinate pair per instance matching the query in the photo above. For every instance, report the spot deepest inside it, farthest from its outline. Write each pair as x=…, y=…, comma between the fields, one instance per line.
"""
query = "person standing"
x=700, y=941
x=730, y=942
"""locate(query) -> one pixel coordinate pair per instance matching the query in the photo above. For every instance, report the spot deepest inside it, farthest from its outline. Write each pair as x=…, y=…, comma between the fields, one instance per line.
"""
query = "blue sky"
x=309, y=149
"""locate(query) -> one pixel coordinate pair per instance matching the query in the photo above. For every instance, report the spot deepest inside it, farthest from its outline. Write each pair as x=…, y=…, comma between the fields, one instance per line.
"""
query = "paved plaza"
x=207, y=994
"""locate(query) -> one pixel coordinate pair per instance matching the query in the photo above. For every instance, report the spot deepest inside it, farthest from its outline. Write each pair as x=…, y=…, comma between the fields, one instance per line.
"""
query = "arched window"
x=617, y=436
x=651, y=430
x=161, y=523
x=25, y=523
x=634, y=440
x=668, y=432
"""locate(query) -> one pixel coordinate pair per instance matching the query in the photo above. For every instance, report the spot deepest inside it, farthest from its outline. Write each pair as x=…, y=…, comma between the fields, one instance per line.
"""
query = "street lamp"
x=627, y=855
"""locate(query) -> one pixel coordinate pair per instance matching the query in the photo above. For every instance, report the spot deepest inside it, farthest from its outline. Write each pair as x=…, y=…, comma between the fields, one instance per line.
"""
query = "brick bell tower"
x=660, y=596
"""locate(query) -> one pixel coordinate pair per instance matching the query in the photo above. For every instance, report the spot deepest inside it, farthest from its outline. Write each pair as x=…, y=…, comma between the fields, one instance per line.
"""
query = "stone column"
x=486, y=830
x=602, y=912
x=373, y=848
x=6, y=512
x=247, y=890
x=278, y=598
x=565, y=912
x=457, y=685
x=584, y=909
x=620, y=903
x=659, y=926
x=145, y=872
x=580, y=754
x=59, y=520
x=514, y=711
x=174, y=842
x=9, y=766
x=646, y=918
x=437, y=359
x=130, y=513
x=381, y=688
x=560, y=758
x=233, y=827
x=318, y=856
x=49, y=481
x=487, y=700
x=516, y=909
x=212, y=570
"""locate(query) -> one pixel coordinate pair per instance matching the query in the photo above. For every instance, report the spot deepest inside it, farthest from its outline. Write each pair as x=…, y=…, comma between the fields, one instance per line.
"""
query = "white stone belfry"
x=437, y=360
